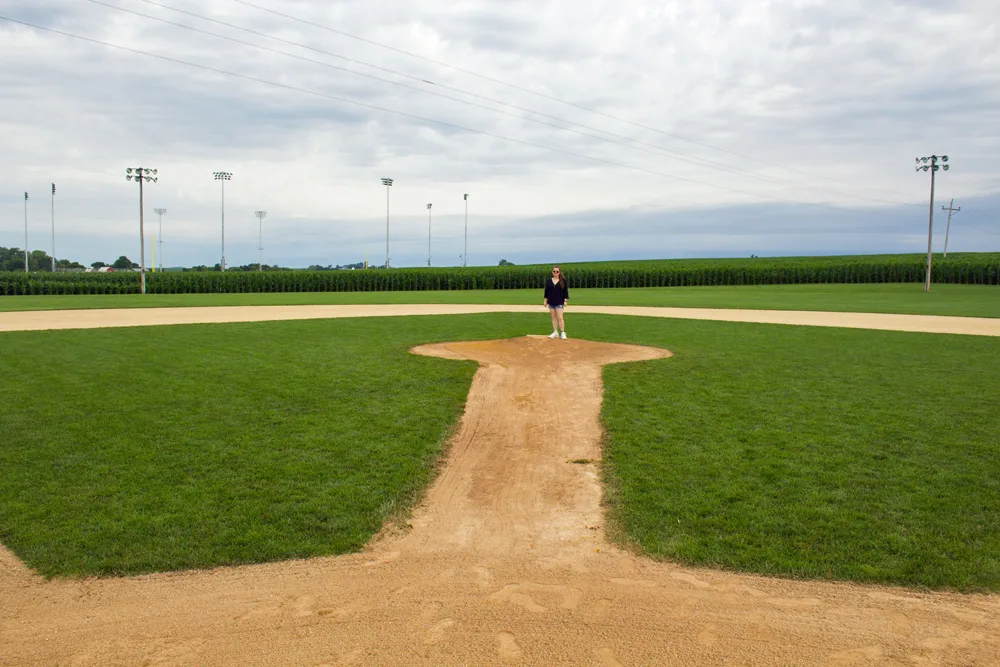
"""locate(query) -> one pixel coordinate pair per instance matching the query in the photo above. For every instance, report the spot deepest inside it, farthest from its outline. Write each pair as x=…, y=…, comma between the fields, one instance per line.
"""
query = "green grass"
x=807, y=452
x=962, y=300
x=166, y=448
x=792, y=451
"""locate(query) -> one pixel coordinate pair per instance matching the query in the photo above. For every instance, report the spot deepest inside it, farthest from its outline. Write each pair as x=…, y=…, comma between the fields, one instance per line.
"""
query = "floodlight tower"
x=260, y=242
x=160, y=212
x=922, y=165
x=25, y=232
x=465, y=254
x=387, y=182
x=223, y=176
x=140, y=175
x=429, y=234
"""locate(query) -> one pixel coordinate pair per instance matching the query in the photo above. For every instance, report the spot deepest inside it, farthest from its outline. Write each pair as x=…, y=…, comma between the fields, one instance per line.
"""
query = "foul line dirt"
x=135, y=317
x=505, y=563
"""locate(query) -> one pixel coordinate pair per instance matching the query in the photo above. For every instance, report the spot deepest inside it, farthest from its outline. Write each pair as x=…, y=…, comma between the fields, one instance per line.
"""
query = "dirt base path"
x=135, y=317
x=506, y=563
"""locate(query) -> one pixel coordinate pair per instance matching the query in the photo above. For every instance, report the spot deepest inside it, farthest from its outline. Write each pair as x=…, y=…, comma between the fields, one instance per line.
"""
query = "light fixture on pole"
x=53, y=228
x=160, y=212
x=922, y=165
x=260, y=239
x=139, y=174
x=223, y=176
x=25, y=232
x=387, y=182
x=465, y=254
x=951, y=209
x=429, y=234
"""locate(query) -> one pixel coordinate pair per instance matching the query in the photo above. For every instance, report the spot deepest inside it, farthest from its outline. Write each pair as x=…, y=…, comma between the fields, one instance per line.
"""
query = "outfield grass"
x=794, y=451
x=961, y=300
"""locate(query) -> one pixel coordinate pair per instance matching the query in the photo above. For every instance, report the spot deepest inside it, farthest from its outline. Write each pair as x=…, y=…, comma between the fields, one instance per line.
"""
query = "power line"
x=534, y=92
x=432, y=120
x=696, y=160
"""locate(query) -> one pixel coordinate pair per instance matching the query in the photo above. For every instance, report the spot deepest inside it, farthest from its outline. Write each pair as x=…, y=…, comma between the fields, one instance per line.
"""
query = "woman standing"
x=556, y=297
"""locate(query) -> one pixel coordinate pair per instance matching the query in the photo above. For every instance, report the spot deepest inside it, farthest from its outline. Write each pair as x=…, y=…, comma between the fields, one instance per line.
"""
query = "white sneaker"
x=554, y=334
x=564, y=335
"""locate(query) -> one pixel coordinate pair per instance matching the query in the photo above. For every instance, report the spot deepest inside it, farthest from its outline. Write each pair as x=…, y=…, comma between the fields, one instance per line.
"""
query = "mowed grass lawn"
x=793, y=451
x=959, y=300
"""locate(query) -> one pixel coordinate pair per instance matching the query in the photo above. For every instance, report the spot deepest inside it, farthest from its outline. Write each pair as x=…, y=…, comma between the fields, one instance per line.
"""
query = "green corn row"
x=963, y=268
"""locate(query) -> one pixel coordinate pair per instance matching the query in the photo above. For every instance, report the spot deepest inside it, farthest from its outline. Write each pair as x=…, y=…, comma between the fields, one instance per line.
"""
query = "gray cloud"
x=849, y=91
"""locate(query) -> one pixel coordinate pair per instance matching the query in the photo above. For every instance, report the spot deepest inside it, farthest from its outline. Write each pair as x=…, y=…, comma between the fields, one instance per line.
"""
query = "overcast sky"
x=580, y=130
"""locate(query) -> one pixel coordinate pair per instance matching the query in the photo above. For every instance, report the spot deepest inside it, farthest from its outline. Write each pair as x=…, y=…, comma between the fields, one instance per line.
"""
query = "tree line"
x=12, y=259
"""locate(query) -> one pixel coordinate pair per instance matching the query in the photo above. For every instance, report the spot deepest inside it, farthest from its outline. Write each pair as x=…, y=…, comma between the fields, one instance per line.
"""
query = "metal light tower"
x=465, y=254
x=25, y=232
x=160, y=212
x=223, y=176
x=387, y=182
x=429, y=234
x=260, y=239
x=139, y=175
x=53, y=228
x=933, y=168
x=951, y=209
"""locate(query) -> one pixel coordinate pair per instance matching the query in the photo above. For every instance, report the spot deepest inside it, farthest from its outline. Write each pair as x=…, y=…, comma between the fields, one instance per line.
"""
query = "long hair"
x=562, y=276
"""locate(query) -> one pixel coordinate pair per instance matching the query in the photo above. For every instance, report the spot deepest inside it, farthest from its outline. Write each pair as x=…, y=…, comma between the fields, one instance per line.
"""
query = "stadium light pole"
x=465, y=254
x=53, y=228
x=160, y=212
x=140, y=174
x=922, y=165
x=223, y=176
x=387, y=182
x=25, y=232
x=260, y=239
x=429, y=234
x=951, y=209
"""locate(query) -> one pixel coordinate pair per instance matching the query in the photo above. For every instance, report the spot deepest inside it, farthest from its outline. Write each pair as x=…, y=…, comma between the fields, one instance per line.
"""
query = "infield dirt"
x=505, y=562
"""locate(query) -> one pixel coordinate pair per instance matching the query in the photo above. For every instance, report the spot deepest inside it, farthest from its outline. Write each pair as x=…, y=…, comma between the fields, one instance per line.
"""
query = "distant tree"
x=11, y=259
x=123, y=263
x=39, y=260
x=98, y=265
x=66, y=264
x=504, y=262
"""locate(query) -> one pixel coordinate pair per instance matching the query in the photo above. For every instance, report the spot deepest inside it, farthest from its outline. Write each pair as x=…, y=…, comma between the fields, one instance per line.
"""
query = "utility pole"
x=139, y=174
x=387, y=182
x=465, y=253
x=933, y=168
x=260, y=239
x=429, y=234
x=223, y=176
x=53, y=228
x=25, y=232
x=951, y=209
x=160, y=212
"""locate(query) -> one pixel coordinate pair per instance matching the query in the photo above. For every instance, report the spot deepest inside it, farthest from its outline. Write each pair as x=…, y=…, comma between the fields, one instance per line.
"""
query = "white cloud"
x=849, y=91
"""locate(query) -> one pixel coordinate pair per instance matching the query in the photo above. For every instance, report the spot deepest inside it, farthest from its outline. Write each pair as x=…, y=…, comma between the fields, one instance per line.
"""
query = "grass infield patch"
x=809, y=452
x=795, y=451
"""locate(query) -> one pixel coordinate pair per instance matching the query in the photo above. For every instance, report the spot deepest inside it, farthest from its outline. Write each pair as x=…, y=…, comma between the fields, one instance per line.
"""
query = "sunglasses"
x=556, y=271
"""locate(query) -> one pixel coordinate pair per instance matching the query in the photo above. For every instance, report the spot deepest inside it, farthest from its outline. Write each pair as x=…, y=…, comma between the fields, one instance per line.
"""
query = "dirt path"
x=506, y=564
x=133, y=317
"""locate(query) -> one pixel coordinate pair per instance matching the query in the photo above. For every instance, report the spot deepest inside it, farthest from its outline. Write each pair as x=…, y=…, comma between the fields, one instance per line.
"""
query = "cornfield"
x=963, y=268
